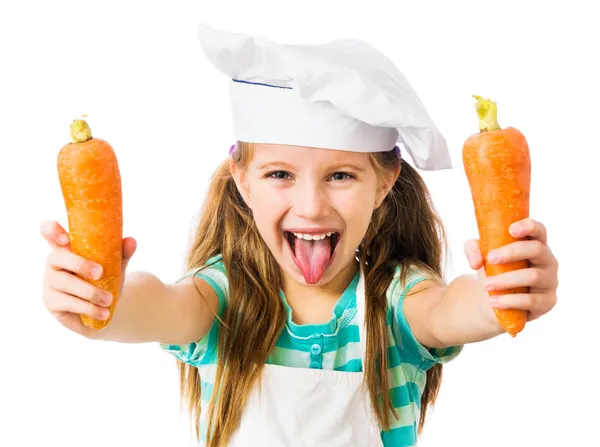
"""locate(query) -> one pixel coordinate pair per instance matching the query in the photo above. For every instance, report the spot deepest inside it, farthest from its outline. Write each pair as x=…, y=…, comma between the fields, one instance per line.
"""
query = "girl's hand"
x=65, y=294
x=541, y=277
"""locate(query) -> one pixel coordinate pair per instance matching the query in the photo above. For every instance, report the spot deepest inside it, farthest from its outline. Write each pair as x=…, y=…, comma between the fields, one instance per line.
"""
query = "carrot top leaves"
x=487, y=111
x=80, y=131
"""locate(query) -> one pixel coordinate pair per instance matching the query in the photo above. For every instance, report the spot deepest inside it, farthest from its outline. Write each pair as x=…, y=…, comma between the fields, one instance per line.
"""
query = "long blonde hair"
x=404, y=230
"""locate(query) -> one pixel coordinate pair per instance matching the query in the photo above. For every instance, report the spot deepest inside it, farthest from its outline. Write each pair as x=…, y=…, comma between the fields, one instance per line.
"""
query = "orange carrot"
x=498, y=168
x=91, y=187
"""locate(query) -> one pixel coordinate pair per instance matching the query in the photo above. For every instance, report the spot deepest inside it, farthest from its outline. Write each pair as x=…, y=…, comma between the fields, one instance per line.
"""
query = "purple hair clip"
x=231, y=149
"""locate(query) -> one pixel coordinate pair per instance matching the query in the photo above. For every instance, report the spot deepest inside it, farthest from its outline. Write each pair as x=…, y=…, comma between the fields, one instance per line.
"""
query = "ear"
x=241, y=181
x=385, y=186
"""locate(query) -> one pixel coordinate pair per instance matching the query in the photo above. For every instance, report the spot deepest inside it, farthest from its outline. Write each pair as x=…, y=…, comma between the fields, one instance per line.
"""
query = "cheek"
x=268, y=208
x=354, y=210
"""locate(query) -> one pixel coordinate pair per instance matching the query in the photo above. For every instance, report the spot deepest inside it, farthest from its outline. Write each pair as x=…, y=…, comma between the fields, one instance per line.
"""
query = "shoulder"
x=409, y=279
x=213, y=272
x=210, y=281
x=411, y=288
x=207, y=285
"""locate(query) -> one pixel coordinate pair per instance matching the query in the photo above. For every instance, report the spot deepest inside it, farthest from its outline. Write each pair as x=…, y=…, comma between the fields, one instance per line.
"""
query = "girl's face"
x=311, y=206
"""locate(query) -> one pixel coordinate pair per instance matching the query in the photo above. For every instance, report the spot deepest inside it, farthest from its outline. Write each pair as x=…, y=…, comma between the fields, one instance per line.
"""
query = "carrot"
x=498, y=168
x=91, y=187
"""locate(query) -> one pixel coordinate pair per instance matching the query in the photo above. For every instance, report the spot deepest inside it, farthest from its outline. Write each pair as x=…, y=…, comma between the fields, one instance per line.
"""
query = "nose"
x=311, y=202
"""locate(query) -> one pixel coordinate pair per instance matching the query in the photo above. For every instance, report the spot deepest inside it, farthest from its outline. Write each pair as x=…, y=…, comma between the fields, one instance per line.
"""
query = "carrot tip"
x=80, y=130
x=487, y=111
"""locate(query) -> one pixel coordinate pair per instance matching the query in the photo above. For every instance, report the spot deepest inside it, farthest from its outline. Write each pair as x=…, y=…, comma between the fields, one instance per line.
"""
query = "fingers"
x=65, y=260
x=532, y=250
x=72, y=285
x=534, y=278
x=54, y=233
x=536, y=304
x=60, y=303
x=473, y=254
x=529, y=228
x=67, y=293
x=69, y=261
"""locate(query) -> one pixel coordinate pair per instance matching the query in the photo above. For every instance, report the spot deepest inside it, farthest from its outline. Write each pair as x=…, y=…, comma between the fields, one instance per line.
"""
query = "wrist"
x=488, y=315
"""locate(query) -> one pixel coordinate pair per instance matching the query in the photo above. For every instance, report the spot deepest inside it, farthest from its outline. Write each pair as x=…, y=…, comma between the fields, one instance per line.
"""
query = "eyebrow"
x=337, y=167
x=274, y=164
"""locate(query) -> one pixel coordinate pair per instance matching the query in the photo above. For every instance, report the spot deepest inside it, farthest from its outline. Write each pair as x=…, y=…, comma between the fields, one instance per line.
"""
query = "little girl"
x=314, y=310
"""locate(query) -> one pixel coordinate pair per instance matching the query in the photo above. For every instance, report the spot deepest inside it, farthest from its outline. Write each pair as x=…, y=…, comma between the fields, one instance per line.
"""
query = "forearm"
x=144, y=313
x=463, y=314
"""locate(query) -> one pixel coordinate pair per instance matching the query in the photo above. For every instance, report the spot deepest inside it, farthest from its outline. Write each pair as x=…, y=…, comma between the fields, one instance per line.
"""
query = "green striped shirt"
x=333, y=346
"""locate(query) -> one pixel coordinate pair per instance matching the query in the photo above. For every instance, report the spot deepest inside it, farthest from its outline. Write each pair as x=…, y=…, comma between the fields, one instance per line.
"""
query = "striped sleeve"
x=410, y=348
x=203, y=351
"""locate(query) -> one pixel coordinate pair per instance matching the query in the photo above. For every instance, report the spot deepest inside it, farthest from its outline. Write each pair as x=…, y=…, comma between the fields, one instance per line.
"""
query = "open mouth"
x=312, y=253
x=291, y=238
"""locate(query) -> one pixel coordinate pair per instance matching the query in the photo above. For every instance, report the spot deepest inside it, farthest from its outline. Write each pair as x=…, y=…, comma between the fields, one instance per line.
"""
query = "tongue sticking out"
x=313, y=257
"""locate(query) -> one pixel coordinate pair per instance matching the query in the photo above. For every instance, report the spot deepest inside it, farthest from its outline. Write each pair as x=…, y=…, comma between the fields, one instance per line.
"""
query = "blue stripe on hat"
x=260, y=83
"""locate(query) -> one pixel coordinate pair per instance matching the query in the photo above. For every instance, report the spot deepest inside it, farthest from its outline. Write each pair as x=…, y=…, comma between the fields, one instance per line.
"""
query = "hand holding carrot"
x=66, y=295
x=498, y=169
x=541, y=277
x=90, y=181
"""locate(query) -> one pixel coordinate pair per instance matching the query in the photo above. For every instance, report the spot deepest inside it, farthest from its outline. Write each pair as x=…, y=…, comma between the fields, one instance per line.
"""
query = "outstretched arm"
x=463, y=313
x=151, y=311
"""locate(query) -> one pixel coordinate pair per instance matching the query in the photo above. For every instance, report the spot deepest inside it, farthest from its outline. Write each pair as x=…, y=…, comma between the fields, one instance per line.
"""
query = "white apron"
x=299, y=407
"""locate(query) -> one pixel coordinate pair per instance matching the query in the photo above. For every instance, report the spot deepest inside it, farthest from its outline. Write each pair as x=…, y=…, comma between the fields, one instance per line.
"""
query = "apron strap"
x=360, y=315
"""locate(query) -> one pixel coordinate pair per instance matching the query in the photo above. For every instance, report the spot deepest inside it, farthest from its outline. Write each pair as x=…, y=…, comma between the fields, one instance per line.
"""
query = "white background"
x=137, y=69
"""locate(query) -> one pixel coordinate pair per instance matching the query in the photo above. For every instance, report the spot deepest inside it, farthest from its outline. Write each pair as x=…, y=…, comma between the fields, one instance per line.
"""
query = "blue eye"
x=278, y=175
x=342, y=176
x=284, y=175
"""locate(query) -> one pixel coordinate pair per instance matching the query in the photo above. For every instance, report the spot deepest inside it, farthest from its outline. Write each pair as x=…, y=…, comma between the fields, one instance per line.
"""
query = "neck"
x=314, y=305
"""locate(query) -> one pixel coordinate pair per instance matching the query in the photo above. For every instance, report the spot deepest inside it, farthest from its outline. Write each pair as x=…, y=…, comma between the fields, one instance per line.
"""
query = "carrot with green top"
x=91, y=187
x=498, y=168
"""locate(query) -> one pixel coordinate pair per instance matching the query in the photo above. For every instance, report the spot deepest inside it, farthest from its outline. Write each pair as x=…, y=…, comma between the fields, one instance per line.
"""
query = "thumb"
x=475, y=258
x=129, y=247
x=473, y=253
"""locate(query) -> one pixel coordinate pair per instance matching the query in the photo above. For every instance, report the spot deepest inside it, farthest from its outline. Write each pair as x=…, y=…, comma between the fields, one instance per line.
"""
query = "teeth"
x=312, y=237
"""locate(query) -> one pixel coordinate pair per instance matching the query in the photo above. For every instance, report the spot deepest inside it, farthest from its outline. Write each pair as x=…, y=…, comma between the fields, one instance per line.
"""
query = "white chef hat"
x=342, y=95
